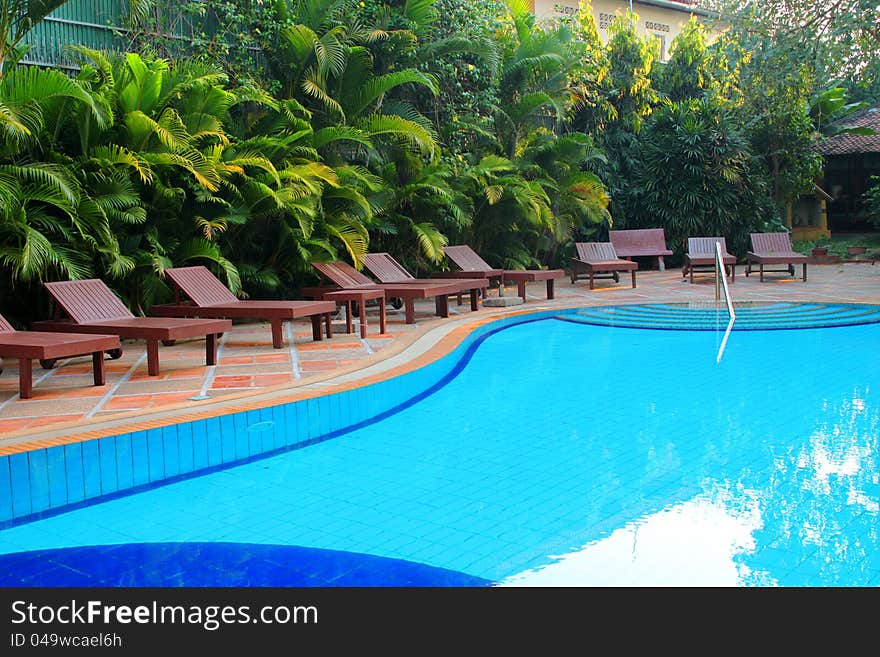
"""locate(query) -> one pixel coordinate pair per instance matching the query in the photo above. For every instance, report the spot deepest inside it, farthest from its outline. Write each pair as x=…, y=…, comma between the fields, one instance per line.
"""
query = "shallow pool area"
x=557, y=452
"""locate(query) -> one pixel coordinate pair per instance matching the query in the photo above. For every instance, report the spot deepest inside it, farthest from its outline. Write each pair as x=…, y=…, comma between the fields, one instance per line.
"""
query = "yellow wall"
x=664, y=23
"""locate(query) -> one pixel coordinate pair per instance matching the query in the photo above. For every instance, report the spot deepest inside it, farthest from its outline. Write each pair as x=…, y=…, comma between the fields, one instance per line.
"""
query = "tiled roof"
x=846, y=144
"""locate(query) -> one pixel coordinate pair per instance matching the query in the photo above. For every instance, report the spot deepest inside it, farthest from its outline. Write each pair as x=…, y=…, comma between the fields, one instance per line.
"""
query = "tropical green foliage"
x=694, y=176
x=265, y=136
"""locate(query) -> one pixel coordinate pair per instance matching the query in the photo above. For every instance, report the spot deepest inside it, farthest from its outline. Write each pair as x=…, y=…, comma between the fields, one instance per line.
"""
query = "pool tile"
x=124, y=462
x=21, y=485
x=185, y=448
x=91, y=468
x=5, y=489
x=156, y=458
x=215, y=441
x=56, y=470
x=109, y=465
x=199, y=431
x=140, y=457
x=170, y=452
x=74, y=472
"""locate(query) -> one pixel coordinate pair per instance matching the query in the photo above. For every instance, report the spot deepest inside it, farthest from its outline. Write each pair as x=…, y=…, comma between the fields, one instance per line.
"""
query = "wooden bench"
x=641, y=242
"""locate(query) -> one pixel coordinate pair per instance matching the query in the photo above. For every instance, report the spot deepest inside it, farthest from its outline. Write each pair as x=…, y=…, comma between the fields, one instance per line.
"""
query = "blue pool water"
x=565, y=453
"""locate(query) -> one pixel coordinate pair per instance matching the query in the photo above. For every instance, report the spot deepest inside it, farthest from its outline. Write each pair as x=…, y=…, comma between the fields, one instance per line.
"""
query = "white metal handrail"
x=721, y=284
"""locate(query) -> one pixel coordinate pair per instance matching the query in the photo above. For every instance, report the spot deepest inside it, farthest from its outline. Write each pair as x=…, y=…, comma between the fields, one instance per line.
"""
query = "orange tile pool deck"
x=250, y=374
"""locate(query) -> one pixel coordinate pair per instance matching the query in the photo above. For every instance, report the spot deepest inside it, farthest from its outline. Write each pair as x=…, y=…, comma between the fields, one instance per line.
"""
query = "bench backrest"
x=200, y=285
x=342, y=274
x=705, y=246
x=466, y=258
x=639, y=241
x=771, y=243
x=386, y=268
x=88, y=300
x=596, y=251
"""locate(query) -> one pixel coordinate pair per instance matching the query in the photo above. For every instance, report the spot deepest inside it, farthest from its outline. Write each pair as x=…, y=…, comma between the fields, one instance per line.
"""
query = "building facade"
x=663, y=19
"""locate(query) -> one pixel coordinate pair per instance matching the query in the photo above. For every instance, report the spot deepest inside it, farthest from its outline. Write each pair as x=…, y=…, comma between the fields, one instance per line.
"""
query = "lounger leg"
x=25, y=377
x=348, y=323
x=550, y=288
x=661, y=264
x=521, y=290
x=460, y=299
x=383, y=325
x=211, y=349
x=633, y=272
x=805, y=272
x=277, y=334
x=328, y=324
x=153, y=357
x=410, y=306
x=441, y=304
x=363, y=319
x=98, y=371
x=475, y=302
x=761, y=278
x=591, y=280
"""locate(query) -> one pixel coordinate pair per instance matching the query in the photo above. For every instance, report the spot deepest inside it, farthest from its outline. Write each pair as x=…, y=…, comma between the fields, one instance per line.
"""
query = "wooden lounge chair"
x=390, y=272
x=599, y=260
x=48, y=347
x=468, y=267
x=342, y=276
x=774, y=249
x=700, y=256
x=92, y=307
x=641, y=242
x=470, y=263
x=207, y=296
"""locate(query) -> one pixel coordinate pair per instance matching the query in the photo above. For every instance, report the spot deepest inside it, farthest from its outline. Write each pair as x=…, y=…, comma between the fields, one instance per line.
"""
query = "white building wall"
x=664, y=23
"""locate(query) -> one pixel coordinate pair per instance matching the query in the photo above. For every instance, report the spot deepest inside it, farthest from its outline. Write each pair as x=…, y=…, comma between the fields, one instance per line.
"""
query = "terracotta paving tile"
x=273, y=358
x=14, y=424
x=312, y=365
x=187, y=373
x=128, y=401
x=323, y=345
x=272, y=379
x=152, y=386
x=232, y=382
x=74, y=369
x=51, y=419
x=85, y=390
x=237, y=360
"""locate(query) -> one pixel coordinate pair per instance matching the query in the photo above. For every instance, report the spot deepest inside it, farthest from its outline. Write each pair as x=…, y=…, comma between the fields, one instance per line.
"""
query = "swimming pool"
x=561, y=453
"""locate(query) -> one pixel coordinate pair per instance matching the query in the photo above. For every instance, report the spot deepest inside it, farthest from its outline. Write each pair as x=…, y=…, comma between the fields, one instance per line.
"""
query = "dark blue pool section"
x=218, y=565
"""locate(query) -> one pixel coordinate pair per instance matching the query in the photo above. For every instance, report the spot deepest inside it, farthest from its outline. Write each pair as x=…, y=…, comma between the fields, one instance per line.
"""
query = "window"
x=662, y=39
